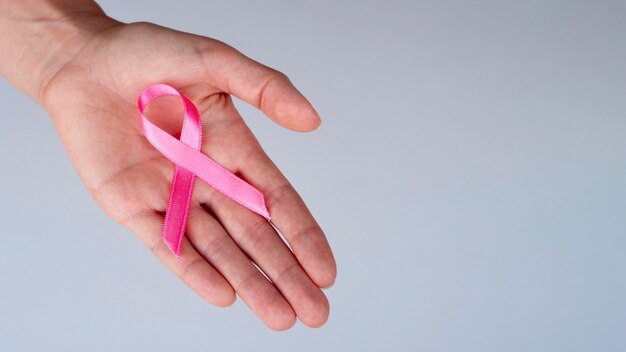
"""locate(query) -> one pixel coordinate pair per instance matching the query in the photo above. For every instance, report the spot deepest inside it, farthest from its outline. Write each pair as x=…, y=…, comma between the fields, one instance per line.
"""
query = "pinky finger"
x=191, y=268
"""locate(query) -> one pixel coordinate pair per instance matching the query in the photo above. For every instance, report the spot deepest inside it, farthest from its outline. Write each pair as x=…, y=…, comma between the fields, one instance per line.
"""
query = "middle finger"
x=257, y=292
x=257, y=238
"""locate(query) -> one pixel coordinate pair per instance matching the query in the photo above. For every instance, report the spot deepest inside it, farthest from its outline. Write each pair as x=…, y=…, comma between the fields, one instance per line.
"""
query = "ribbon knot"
x=189, y=162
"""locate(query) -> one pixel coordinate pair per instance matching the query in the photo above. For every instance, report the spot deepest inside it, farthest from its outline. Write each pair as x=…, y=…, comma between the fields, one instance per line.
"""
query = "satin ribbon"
x=189, y=162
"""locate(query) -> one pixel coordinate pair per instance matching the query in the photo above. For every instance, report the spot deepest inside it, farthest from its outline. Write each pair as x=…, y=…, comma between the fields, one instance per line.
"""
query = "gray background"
x=470, y=174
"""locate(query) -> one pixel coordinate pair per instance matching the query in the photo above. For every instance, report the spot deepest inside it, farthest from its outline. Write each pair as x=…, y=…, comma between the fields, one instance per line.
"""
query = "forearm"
x=41, y=36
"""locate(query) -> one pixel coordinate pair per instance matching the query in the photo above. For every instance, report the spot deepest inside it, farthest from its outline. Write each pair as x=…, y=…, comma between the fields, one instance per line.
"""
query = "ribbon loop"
x=189, y=162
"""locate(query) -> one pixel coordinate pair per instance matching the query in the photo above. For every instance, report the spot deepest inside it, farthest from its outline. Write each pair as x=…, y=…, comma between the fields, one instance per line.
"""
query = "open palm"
x=92, y=100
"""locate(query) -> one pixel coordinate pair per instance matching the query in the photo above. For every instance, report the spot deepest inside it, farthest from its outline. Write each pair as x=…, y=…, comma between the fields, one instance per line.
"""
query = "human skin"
x=86, y=70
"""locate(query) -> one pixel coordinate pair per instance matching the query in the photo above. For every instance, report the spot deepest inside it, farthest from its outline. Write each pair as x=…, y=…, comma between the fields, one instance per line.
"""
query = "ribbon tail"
x=178, y=209
x=206, y=169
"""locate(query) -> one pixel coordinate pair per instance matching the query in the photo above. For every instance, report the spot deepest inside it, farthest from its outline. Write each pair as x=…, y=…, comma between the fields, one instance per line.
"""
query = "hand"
x=92, y=100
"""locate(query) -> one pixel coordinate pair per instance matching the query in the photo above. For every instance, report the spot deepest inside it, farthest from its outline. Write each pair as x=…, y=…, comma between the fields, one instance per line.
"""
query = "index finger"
x=292, y=218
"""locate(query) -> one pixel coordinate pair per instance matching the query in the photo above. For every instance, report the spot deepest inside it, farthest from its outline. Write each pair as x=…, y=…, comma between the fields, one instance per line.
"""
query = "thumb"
x=263, y=87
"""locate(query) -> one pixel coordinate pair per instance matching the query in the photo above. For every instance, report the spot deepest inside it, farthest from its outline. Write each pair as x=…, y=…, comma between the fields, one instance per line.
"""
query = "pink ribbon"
x=188, y=163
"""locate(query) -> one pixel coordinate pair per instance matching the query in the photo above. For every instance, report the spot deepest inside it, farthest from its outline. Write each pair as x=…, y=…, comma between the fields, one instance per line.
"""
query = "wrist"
x=40, y=37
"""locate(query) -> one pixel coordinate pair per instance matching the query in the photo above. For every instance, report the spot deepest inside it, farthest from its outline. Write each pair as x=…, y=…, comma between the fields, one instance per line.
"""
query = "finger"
x=232, y=144
x=292, y=218
x=191, y=268
x=256, y=237
x=255, y=290
x=265, y=88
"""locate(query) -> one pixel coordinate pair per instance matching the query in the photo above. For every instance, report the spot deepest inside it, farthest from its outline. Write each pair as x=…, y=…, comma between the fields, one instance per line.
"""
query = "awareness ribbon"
x=189, y=162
